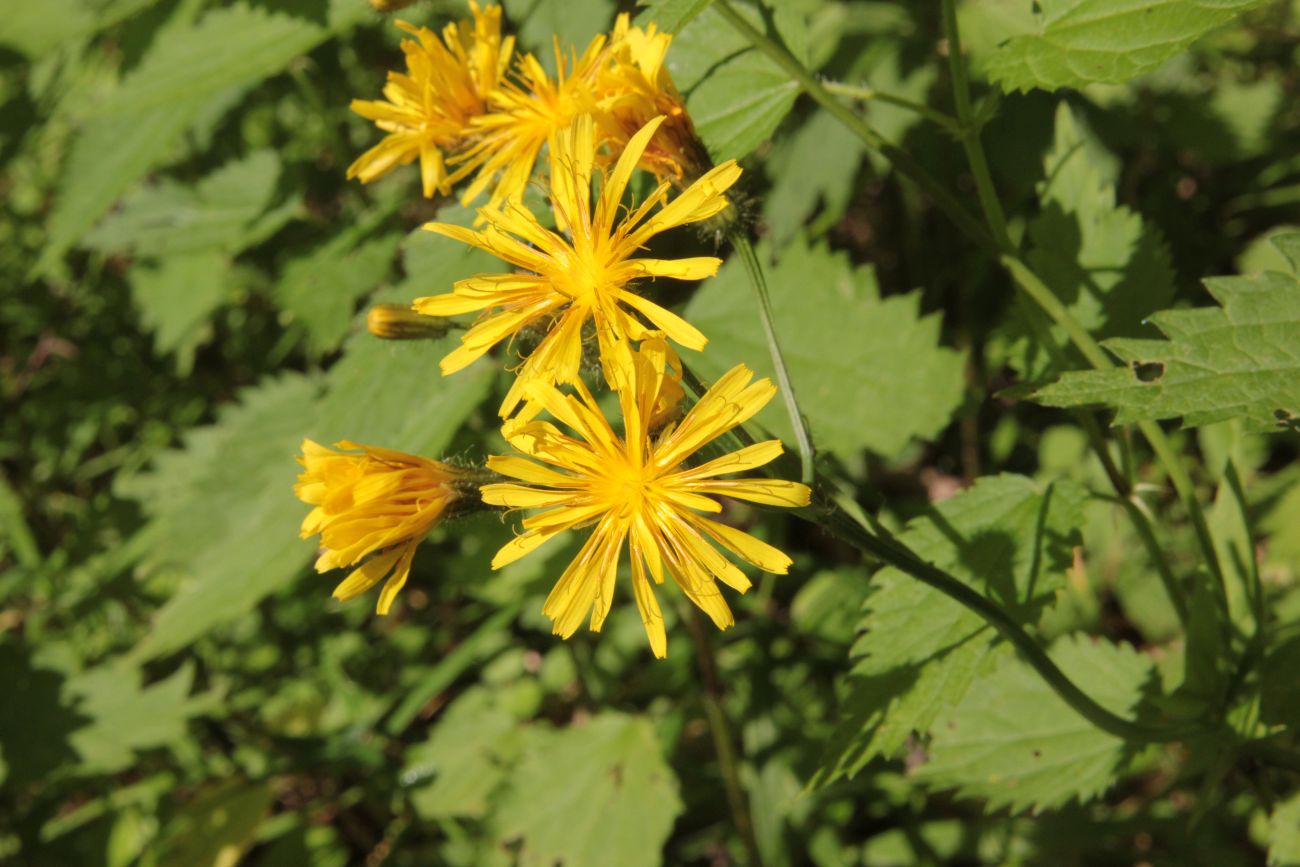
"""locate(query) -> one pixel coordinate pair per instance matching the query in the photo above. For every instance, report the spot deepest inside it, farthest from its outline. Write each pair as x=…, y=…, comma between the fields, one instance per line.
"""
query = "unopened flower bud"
x=389, y=5
x=400, y=322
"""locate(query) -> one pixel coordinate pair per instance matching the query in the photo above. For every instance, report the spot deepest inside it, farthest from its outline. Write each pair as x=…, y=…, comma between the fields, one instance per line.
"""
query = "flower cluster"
x=570, y=298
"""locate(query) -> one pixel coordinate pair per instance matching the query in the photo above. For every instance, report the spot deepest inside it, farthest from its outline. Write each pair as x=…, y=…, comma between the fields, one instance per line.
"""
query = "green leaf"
x=142, y=120
x=1014, y=743
x=220, y=212
x=827, y=604
x=215, y=828
x=1109, y=269
x=227, y=47
x=1072, y=43
x=740, y=105
x=223, y=508
x=14, y=530
x=736, y=95
x=1238, y=360
x=590, y=796
x=574, y=22
x=126, y=717
x=849, y=351
x=170, y=218
x=320, y=290
x=177, y=298
x=919, y=652
x=670, y=15
x=1284, y=833
x=816, y=166
x=467, y=756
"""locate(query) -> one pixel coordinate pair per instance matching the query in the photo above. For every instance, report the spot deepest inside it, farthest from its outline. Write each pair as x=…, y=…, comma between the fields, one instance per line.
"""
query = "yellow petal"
x=367, y=575
x=769, y=492
x=696, y=268
x=753, y=551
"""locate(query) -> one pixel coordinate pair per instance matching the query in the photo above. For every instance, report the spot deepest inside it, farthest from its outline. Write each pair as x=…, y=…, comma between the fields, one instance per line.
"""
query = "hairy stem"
x=1023, y=276
x=838, y=522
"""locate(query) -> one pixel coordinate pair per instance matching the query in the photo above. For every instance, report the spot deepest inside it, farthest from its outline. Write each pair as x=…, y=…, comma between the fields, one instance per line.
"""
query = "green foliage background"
x=182, y=272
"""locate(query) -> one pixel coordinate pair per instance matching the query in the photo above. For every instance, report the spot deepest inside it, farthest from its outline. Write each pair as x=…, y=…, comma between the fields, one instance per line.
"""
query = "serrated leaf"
x=1101, y=260
x=223, y=508
x=573, y=22
x=169, y=218
x=740, y=105
x=176, y=298
x=126, y=717
x=919, y=652
x=670, y=15
x=1014, y=743
x=589, y=796
x=172, y=85
x=815, y=167
x=228, y=46
x=466, y=755
x=849, y=351
x=1238, y=360
x=1078, y=42
x=320, y=289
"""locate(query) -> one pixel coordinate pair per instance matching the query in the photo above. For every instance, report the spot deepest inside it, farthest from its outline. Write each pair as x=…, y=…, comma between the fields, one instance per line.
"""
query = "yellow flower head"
x=634, y=87
x=372, y=501
x=583, y=275
x=525, y=115
x=636, y=491
x=428, y=110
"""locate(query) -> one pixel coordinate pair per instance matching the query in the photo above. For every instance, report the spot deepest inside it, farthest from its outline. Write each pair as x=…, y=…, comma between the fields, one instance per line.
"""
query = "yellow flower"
x=634, y=87
x=379, y=502
x=584, y=276
x=428, y=110
x=525, y=115
x=636, y=491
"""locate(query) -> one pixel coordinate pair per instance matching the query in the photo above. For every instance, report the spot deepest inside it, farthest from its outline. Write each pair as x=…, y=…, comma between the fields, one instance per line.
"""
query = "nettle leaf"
x=1238, y=360
x=919, y=652
x=320, y=289
x=126, y=717
x=222, y=508
x=815, y=167
x=670, y=15
x=736, y=96
x=574, y=22
x=850, y=352
x=1071, y=43
x=590, y=796
x=467, y=757
x=1016, y=744
x=178, y=78
x=177, y=298
x=170, y=218
x=1108, y=267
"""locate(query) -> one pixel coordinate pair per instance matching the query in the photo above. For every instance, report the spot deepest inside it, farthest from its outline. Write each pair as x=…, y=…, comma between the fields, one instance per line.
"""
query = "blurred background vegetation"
x=183, y=271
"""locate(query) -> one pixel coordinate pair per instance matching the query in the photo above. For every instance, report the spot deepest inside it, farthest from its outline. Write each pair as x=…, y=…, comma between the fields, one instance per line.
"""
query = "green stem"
x=970, y=133
x=1023, y=276
x=720, y=728
x=840, y=524
x=870, y=94
x=901, y=160
x=804, y=440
